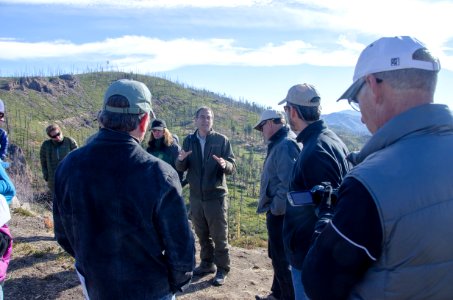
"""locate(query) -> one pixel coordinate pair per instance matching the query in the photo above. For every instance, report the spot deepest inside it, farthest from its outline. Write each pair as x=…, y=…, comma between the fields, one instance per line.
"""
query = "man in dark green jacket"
x=53, y=151
x=207, y=156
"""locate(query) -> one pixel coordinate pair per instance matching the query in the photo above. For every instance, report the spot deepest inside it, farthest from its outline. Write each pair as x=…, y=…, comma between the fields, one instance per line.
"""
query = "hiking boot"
x=220, y=277
x=204, y=268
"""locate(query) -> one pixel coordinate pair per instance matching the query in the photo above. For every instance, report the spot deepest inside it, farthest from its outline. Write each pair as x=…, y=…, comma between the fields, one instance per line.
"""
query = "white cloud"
x=139, y=53
x=333, y=34
x=155, y=55
x=424, y=19
x=146, y=3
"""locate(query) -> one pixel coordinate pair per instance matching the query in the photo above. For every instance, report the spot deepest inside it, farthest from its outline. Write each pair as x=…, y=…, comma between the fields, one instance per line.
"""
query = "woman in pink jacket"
x=7, y=192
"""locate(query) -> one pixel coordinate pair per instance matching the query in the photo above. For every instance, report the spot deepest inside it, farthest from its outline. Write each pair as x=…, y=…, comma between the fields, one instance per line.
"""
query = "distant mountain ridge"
x=348, y=120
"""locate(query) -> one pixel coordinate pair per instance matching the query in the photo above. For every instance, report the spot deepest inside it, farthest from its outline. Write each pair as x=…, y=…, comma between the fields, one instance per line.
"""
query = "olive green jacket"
x=205, y=176
x=51, y=154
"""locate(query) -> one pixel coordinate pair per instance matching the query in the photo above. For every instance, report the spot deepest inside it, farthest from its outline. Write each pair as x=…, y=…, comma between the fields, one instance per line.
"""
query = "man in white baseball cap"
x=386, y=54
x=390, y=237
x=282, y=152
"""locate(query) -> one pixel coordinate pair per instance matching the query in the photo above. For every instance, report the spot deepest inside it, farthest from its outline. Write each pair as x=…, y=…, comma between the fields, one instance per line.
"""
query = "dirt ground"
x=40, y=269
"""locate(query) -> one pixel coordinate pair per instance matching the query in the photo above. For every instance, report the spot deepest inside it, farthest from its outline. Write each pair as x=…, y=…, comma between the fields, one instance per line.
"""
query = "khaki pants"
x=209, y=219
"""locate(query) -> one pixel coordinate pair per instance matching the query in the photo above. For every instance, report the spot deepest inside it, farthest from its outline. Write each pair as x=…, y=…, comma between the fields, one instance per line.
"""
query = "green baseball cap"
x=136, y=92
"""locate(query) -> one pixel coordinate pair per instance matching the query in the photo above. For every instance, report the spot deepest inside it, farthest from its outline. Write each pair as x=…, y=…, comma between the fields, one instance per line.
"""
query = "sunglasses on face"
x=55, y=135
x=354, y=101
x=261, y=125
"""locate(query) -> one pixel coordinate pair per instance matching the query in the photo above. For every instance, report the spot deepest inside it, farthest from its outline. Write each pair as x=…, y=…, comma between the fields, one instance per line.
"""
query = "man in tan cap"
x=322, y=159
x=282, y=152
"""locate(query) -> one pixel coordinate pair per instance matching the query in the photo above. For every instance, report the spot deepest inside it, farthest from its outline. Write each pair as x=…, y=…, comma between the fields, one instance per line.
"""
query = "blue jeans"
x=299, y=291
x=1, y=291
x=169, y=297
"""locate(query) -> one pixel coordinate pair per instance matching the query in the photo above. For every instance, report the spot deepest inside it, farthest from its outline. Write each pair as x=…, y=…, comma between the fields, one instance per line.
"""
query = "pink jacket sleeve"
x=4, y=261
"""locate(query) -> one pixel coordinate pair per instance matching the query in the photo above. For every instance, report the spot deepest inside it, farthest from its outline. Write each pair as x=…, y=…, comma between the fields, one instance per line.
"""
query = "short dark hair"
x=51, y=128
x=308, y=113
x=119, y=121
x=203, y=108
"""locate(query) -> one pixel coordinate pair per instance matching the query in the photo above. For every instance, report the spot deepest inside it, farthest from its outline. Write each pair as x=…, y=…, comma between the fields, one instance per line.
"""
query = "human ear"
x=375, y=87
x=144, y=122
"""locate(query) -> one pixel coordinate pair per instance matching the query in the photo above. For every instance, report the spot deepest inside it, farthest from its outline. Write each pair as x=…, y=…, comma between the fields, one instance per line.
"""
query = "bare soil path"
x=40, y=269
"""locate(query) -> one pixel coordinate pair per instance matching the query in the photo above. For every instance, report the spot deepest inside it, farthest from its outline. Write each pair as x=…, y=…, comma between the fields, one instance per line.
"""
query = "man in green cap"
x=119, y=211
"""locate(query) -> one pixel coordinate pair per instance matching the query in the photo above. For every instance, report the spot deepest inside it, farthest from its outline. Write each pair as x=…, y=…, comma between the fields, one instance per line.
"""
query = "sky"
x=252, y=50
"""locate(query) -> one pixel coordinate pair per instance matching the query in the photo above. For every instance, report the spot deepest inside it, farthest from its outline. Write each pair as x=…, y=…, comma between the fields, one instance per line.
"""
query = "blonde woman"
x=163, y=144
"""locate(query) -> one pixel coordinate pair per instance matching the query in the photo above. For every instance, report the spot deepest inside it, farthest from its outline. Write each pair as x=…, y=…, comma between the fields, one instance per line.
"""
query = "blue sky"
x=247, y=49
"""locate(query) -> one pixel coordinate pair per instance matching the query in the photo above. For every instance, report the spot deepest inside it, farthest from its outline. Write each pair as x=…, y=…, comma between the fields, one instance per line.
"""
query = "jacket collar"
x=276, y=137
x=420, y=119
x=195, y=134
x=106, y=133
x=313, y=129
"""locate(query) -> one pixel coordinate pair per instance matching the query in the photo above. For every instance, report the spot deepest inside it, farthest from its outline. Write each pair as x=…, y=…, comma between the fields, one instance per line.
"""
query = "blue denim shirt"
x=119, y=211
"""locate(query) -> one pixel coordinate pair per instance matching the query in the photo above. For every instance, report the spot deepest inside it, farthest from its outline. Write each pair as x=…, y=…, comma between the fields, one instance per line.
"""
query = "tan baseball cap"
x=303, y=94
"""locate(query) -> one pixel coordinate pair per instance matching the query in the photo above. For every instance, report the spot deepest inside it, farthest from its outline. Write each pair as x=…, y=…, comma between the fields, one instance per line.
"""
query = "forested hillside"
x=73, y=101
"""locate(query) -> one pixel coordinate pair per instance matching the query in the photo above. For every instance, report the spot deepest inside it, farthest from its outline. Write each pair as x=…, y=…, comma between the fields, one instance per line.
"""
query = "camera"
x=324, y=193
x=321, y=194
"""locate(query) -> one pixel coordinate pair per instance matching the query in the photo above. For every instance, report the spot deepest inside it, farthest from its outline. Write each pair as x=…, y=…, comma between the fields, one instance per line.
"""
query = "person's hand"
x=183, y=154
x=220, y=161
x=179, y=281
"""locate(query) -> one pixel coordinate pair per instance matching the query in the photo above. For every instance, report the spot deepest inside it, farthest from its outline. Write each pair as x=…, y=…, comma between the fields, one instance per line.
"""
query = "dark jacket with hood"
x=322, y=159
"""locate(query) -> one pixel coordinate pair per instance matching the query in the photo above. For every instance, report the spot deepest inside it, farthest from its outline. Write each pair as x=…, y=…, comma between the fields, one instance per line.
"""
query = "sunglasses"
x=261, y=125
x=354, y=101
x=55, y=136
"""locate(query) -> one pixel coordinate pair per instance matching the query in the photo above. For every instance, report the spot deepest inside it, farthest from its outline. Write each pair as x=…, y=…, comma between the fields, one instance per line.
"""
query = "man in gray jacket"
x=208, y=157
x=390, y=237
x=282, y=152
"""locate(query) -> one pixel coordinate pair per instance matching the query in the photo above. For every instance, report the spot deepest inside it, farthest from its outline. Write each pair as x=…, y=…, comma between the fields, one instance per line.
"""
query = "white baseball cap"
x=388, y=54
x=268, y=114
